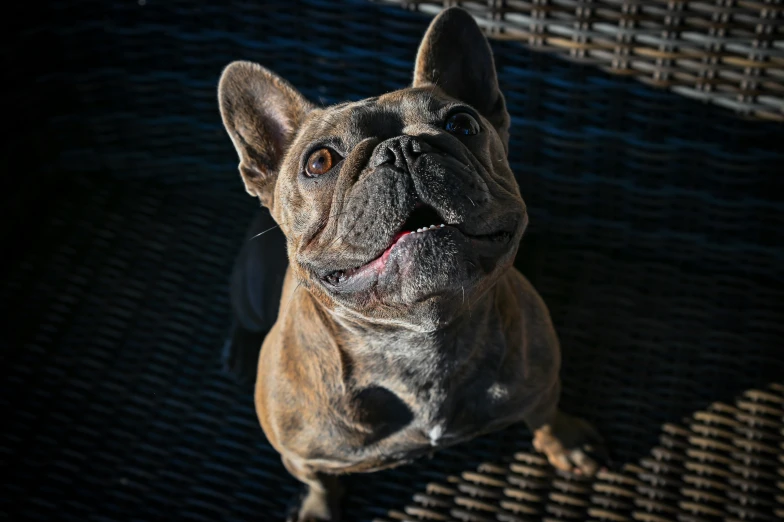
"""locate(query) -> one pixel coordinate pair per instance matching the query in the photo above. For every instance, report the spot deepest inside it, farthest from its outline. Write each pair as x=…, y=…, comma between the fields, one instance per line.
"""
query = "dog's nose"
x=400, y=151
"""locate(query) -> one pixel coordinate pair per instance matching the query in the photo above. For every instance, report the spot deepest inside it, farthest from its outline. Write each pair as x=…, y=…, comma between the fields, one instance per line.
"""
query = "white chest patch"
x=435, y=434
x=498, y=392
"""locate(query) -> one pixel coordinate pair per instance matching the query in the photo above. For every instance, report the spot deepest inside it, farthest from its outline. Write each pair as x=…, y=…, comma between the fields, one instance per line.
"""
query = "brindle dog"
x=402, y=326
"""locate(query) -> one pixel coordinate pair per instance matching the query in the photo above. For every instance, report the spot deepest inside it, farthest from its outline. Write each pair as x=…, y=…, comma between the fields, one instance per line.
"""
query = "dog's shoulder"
x=534, y=356
x=299, y=371
x=520, y=303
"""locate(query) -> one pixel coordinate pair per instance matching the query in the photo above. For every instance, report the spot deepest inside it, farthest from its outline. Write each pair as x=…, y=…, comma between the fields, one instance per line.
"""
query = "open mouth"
x=423, y=220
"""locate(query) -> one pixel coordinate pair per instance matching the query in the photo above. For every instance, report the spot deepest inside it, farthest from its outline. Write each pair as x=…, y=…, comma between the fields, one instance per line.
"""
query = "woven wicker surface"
x=727, y=52
x=656, y=238
x=724, y=463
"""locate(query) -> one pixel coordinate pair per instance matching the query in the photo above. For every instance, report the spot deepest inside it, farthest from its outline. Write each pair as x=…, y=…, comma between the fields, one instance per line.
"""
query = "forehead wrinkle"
x=377, y=119
x=417, y=104
x=423, y=104
x=420, y=94
x=384, y=116
x=333, y=121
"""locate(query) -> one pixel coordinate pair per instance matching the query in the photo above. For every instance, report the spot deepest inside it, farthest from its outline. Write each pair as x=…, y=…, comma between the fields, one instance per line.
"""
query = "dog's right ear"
x=262, y=113
x=456, y=56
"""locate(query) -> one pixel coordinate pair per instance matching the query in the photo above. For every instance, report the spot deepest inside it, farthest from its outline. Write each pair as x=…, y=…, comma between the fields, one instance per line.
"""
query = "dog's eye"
x=320, y=162
x=463, y=124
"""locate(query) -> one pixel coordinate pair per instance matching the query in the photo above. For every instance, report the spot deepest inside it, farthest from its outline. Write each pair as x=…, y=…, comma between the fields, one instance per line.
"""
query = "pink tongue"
x=398, y=236
x=395, y=239
x=379, y=263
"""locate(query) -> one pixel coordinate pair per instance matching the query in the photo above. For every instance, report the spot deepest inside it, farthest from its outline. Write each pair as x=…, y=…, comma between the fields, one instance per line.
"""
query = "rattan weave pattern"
x=727, y=52
x=723, y=463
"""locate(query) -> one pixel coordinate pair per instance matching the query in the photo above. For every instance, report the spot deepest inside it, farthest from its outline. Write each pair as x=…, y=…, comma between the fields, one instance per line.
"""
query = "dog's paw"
x=571, y=445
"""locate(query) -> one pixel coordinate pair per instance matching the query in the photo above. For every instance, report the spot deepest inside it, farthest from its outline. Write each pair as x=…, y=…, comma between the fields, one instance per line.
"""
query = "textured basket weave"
x=656, y=239
x=727, y=52
x=725, y=463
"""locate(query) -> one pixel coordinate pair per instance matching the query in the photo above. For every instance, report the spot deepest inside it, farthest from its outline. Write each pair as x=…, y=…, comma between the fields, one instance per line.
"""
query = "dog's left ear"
x=455, y=56
x=262, y=113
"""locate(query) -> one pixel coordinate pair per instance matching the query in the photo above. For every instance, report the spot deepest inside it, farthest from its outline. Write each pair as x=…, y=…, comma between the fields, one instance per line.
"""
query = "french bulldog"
x=402, y=326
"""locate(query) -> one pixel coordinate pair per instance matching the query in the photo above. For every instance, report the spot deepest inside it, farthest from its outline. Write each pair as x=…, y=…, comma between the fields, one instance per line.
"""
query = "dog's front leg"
x=570, y=444
x=321, y=501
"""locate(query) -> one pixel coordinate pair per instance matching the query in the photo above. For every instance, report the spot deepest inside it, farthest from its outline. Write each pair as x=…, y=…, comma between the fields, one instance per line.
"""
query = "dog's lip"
x=378, y=263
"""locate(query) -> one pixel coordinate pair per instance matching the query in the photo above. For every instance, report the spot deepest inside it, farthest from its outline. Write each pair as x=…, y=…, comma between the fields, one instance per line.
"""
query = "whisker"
x=262, y=233
x=277, y=226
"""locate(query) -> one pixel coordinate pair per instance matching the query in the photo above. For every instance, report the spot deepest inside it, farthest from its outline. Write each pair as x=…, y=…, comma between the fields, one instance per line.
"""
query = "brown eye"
x=462, y=124
x=319, y=162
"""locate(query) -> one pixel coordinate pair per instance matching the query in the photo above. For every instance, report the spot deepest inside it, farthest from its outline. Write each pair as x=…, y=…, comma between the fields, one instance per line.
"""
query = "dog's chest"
x=432, y=400
x=438, y=419
x=405, y=397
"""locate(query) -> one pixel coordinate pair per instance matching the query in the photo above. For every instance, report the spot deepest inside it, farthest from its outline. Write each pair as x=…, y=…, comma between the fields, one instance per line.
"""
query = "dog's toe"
x=571, y=445
x=583, y=464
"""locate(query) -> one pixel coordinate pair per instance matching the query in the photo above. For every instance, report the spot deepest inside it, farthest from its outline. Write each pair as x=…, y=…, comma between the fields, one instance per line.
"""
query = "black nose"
x=399, y=152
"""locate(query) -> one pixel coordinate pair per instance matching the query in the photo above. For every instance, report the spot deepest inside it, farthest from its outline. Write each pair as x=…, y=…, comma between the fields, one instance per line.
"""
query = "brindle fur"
x=450, y=341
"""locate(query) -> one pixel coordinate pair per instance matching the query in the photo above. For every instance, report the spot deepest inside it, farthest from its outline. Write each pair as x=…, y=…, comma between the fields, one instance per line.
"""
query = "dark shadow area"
x=377, y=406
x=655, y=238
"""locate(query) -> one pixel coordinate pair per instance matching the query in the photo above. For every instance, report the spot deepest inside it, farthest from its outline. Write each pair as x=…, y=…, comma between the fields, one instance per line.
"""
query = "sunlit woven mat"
x=723, y=463
x=725, y=52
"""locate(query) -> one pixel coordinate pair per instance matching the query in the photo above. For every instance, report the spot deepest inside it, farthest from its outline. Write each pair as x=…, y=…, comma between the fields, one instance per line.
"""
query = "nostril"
x=418, y=146
x=384, y=156
x=399, y=151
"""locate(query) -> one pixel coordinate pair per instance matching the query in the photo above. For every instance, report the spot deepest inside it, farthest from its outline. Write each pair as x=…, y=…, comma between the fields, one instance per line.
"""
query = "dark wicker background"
x=655, y=237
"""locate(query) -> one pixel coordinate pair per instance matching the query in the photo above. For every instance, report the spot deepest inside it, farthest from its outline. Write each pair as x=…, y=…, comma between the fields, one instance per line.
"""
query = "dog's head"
x=400, y=208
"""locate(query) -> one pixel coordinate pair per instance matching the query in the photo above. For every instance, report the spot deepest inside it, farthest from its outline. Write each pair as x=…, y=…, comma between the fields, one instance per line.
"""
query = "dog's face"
x=400, y=208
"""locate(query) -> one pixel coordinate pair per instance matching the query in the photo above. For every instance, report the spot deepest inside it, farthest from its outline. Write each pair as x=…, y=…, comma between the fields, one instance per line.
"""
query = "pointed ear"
x=262, y=113
x=455, y=56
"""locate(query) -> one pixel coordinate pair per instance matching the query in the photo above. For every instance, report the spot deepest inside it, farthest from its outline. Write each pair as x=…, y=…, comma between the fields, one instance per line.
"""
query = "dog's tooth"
x=442, y=225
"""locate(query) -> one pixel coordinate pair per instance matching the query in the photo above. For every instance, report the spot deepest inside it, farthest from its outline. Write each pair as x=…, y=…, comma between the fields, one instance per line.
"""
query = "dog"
x=402, y=326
